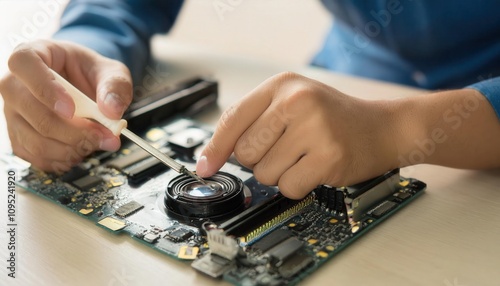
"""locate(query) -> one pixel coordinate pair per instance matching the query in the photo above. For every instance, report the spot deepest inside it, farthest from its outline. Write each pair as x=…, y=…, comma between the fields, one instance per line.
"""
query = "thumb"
x=114, y=89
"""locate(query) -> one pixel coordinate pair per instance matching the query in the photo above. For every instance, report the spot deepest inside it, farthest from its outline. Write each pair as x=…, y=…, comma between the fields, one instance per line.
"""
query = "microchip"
x=383, y=208
x=180, y=234
x=272, y=239
x=73, y=174
x=284, y=250
x=87, y=182
x=401, y=196
x=128, y=208
x=295, y=264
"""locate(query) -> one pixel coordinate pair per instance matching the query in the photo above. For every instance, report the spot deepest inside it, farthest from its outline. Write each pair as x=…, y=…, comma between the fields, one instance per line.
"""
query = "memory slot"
x=255, y=221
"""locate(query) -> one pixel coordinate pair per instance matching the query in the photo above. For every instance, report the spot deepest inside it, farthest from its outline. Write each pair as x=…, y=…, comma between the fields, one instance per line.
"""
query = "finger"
x=39, y=146
x=41, y=163
x=301, y=178
x=46, y=122
x=114, y=88
x=256, y=141
x=281, y=157
x=108, y=82
x=27, y=65
x=233, y=122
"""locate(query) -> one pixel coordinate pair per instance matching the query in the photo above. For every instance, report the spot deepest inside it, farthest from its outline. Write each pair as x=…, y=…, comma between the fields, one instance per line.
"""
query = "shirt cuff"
x=490, y=88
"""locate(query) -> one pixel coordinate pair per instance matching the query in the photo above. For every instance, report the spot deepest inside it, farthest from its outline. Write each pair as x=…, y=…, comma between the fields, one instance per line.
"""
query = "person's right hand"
x=39, y=112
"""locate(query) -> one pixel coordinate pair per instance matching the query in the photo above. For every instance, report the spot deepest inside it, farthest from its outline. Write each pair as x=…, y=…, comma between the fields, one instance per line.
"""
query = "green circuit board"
x=267, y=240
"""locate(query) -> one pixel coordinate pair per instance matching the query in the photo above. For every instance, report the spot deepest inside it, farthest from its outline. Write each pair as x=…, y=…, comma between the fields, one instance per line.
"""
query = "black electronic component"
x=128, y=208
x=331, y=202
x=64, y=200
x=383, y=208
x=284, y=250
x=88, y=182
x=74, y=173
x=340, y=206
x=332, y=199
x=193, y=202
x=188, y=97
x=179, y=235
x=146, y=169
x=363, y=196
x=322, y=194
x=300, y=226
x=401, y=196
x=272, y=239
x=295, y=264
x=124, y=161
x=254, y=221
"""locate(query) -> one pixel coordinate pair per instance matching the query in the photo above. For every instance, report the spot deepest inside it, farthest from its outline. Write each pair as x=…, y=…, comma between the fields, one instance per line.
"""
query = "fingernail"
x=63, y=109
x=202, y=166
x=114, y=101
x=109, y=144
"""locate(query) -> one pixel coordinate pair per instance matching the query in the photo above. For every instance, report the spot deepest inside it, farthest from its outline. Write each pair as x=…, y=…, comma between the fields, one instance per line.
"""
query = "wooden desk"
x=449, y=236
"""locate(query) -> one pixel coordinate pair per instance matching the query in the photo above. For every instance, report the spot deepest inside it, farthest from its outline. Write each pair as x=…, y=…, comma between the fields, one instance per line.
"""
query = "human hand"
x=39, y=112
x=298, y=133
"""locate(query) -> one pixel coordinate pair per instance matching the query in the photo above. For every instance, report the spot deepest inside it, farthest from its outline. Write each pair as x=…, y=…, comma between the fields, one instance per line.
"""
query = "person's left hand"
x=298, y=133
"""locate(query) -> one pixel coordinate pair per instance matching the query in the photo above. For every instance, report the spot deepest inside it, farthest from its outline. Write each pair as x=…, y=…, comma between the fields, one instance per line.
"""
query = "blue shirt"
x=429, y=44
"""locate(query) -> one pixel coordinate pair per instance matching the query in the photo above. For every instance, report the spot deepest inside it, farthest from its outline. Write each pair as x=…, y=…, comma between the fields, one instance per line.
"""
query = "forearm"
x=457, y=128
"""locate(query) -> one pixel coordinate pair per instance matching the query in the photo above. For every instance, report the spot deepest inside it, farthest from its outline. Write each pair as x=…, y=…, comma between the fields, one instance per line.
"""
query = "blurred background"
x=271, y=30
x=281, y=31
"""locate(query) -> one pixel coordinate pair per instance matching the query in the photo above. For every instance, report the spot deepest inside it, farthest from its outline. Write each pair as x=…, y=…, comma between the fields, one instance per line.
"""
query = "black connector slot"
x=145, y=170
x=189, y=97
x=358, y=189
x=361, y=197
x=256, y=220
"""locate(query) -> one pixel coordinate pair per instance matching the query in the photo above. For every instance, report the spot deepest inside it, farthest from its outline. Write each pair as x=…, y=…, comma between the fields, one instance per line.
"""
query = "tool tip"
x=194, y=176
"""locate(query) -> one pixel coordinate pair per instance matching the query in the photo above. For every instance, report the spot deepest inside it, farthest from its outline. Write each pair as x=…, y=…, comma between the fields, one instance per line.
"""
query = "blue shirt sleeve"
x=118, y=29
x=490, y=88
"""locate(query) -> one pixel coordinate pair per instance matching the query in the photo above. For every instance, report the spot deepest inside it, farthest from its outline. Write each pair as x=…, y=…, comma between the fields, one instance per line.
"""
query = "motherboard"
x=231, y=228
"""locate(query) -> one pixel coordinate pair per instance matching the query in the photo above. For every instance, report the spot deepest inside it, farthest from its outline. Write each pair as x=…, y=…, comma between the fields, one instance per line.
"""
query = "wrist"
x=407, y=131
